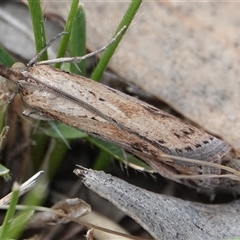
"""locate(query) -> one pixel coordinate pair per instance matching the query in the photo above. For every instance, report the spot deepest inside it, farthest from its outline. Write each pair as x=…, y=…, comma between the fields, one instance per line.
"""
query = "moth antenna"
x=38, y=55
x=79, y=59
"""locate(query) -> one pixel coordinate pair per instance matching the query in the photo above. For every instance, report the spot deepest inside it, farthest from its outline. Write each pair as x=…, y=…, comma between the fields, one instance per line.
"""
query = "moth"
x=108, y=114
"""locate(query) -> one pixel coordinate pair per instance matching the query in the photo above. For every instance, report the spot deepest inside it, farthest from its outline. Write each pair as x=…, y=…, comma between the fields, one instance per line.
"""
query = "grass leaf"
x=68, y=28
x=77, y=43
x=126, y=21
x=5, y=58
x=38, y=27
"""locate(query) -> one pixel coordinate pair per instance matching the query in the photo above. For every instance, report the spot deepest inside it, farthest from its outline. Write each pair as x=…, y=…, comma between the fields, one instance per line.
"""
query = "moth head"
x=19, y=65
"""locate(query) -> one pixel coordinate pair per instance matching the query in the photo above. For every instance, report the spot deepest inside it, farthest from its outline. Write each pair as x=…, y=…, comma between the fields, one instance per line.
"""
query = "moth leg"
x=7, y=98
x=35, y=114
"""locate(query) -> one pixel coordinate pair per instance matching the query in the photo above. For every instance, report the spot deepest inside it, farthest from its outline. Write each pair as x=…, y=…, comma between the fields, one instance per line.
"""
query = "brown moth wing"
x=113, y=116
x=160, y=129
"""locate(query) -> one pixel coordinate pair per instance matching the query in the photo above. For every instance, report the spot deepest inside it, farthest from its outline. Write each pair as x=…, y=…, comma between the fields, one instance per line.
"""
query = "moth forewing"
x=160, y=129
x=116, y=117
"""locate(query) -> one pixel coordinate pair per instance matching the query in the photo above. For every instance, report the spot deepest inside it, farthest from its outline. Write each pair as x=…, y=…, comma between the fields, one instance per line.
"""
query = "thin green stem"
x=10, y=212
x=126, y=21
x=5, y=58
x=38, y=27
x=67, y=29
x=77, y=43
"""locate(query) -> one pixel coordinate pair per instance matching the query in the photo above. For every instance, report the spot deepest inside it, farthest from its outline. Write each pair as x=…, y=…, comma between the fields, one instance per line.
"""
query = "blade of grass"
x=10, y=212
x=18, y=224
x=37, y=195
x=103, y=160
x=126, y=21
x=117, y=153
x=66, y=131
x=38, y=150
x=55, y=157
x=77, y=43
x=5, y=58
x=38, y=27
x=68, y=28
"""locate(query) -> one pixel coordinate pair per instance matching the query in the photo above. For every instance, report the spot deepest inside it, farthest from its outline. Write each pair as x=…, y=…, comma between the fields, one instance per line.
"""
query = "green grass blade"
x=68, y=29
x=18, y=224
x=126, y=21
x=77, y=43
x=38, y=27
x=103, y=160
x=38, y=150
x=66, y=131
x=117, y=153
x=37, y=195
x=4, y=231
x=5, y=58
x=55, y=157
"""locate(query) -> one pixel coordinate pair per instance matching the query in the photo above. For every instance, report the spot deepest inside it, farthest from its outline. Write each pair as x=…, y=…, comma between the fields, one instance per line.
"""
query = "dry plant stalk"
x=108, y=114
x=25, y=187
